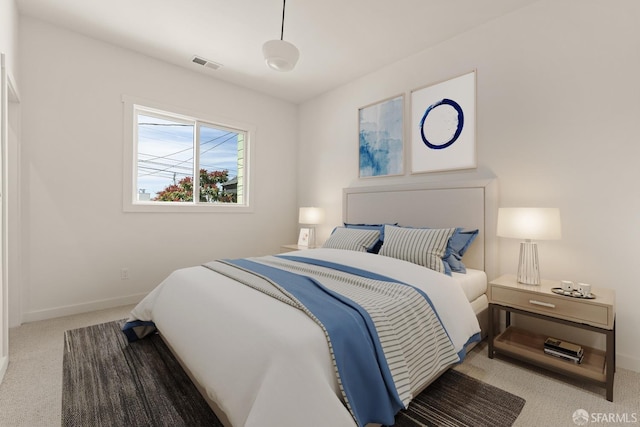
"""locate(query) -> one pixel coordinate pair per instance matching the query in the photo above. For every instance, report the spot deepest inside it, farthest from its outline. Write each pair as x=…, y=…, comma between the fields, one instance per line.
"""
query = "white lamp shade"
x=529, y=223
x=280, y=55
x=311, y=216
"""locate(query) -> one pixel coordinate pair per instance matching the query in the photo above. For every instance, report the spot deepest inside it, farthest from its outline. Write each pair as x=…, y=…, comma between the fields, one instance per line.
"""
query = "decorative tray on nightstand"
x=572, y=294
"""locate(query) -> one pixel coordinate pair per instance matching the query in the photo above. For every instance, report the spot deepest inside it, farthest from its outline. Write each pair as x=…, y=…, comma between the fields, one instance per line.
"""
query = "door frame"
x=10, y=205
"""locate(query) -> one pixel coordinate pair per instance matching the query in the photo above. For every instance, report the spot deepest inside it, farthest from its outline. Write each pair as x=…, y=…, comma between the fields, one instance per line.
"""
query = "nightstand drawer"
x=562, y=307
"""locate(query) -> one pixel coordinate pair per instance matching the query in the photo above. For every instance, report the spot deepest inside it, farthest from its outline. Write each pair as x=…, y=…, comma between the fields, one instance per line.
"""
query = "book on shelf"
x=564, y=356
x=563, y=347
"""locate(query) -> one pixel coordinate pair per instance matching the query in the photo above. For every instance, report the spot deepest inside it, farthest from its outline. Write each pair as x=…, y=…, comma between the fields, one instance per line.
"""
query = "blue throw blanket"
x=361, y=364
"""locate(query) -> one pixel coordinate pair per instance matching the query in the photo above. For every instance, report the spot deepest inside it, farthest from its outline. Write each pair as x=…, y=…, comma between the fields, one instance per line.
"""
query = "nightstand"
x=597, y=315
x=294, y=247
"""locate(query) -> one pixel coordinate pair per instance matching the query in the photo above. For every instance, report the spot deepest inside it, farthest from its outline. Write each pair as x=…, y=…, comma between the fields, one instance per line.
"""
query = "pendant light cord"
x=284, y=3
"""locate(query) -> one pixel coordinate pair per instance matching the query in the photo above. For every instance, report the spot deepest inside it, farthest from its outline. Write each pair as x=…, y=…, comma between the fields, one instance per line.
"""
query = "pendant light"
x=280, y=55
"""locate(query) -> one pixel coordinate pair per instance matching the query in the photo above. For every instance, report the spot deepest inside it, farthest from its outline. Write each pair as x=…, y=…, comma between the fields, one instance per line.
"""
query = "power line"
x=229, y=135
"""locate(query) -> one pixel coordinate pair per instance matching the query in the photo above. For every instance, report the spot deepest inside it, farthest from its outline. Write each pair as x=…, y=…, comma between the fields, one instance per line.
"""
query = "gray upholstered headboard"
x=468, y=204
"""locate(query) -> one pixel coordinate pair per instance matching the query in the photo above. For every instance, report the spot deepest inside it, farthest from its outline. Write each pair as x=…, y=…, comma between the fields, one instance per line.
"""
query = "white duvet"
x=265, y=363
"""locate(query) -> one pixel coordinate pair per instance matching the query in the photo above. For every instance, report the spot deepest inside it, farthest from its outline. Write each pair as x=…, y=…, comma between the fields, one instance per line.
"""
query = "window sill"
x=185, y=208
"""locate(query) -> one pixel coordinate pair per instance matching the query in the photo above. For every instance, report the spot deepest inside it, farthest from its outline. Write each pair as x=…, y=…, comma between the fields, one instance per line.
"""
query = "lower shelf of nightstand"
x=529, y=347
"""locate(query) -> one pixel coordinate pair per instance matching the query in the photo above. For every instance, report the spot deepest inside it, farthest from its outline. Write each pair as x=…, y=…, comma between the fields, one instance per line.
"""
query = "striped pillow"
x=352, y=239
x=422, y=246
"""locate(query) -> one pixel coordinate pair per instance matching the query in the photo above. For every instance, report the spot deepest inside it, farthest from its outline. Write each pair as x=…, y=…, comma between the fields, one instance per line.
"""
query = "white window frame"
x=130, y=154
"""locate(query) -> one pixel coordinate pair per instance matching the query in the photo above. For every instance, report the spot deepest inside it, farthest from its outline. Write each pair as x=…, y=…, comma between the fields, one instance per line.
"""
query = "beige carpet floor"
x=30, y=394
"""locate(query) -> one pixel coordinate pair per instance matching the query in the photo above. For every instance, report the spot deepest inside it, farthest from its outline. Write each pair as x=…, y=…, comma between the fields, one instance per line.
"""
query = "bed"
x=260, y=354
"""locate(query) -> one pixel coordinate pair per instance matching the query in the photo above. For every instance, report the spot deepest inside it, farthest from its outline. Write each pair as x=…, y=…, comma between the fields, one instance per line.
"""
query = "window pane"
x=220, y=174
x=165, y=160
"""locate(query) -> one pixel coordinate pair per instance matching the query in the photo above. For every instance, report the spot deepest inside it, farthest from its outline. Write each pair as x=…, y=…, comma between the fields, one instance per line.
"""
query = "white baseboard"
x=4, y=362
x=50, y=313
x=626, y=361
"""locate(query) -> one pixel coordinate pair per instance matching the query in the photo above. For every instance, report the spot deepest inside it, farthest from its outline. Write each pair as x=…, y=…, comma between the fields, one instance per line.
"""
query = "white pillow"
x=352, y=239
x=422, y=246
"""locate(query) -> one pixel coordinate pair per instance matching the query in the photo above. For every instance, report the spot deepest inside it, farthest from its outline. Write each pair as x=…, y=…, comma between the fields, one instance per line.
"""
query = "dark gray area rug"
x=108, y=381
x=456, y=400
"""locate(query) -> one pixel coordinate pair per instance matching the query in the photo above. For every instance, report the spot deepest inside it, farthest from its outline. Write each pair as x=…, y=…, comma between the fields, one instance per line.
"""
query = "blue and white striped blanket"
x=385, y=336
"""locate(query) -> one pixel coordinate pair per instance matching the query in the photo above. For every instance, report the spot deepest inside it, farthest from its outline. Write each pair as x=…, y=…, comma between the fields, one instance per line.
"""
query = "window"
x=180, y=161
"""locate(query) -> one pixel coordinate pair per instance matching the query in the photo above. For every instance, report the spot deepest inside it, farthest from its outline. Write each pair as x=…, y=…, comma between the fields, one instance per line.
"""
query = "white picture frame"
x=443, y=125
x=303, y=237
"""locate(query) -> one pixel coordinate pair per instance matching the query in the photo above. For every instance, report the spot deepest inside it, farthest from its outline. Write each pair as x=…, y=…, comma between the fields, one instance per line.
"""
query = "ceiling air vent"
x=206, y=63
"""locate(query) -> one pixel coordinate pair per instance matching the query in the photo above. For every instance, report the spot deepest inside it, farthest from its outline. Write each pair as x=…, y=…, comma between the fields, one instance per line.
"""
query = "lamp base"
x=528, y=268
x=312, y=237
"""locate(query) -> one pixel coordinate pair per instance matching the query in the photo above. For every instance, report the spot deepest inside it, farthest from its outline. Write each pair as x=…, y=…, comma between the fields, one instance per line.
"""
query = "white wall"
x=75, y=235
x=557, y=124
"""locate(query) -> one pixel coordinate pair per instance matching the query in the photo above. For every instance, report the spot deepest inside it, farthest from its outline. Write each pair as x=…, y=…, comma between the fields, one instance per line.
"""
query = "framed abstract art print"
x=443, y=125
x=380, y=135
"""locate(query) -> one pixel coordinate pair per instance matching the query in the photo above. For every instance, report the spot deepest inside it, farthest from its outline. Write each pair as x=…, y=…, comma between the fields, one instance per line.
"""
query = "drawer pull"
x=544, y=304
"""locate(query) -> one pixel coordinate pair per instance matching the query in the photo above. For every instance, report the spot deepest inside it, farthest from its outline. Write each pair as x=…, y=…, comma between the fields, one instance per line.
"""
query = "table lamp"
x=529, y=224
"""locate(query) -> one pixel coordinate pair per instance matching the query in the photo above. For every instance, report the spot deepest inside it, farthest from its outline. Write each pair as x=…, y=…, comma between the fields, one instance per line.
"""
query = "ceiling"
x=339, y=40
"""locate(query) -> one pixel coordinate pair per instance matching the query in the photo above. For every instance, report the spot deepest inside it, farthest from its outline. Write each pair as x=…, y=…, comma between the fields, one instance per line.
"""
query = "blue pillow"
x=375, y=248
x=458, y=245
